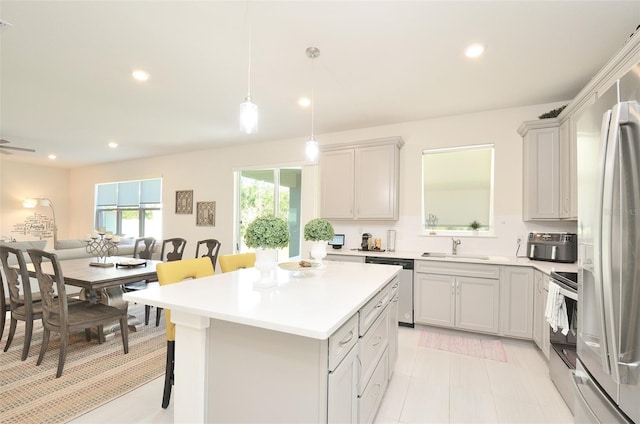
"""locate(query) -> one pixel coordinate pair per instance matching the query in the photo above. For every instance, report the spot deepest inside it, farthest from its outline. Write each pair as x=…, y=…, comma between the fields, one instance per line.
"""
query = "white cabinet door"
x=337, y=184
x=538, y=309
x=541, y=178
x=360, y=181
x=343, y=391
x=376, y=176
x=434, y=299
x=565, y=170
x=477, y=304
x=517, y=302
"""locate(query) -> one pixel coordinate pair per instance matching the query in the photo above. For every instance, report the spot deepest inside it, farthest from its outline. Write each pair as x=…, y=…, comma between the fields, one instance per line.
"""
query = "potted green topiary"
x=320, y=231
x=475, y=226
x=267, y=234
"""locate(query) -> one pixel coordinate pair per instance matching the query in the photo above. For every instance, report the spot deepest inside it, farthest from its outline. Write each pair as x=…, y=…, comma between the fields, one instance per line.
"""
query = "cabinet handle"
x=379, y=305
x=395, y=299
x=377, y=342
x=347, y=338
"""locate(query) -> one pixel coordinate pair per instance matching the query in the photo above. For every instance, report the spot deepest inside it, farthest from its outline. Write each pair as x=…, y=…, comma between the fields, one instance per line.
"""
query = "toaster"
x=553, y=247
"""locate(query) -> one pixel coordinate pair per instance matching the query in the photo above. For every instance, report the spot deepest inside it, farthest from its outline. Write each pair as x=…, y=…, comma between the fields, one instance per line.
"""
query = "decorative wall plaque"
x=184, y=201
x=206, y=214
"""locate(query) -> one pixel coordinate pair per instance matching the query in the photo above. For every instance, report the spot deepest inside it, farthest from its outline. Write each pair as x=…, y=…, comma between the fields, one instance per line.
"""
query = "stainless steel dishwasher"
x=405, y=293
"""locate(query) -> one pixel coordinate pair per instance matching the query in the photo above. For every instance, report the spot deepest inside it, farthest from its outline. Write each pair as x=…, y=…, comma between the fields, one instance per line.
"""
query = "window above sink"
x=458, y=189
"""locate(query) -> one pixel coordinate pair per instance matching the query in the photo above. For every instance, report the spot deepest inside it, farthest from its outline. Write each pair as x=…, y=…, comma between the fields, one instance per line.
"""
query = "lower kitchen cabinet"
x=344, y=258
x=517, y=302
x=343, y=390
x=466, y=301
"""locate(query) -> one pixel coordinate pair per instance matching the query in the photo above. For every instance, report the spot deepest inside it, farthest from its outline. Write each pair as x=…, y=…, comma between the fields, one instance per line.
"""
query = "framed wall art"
x=206, y=214
x=184, y=201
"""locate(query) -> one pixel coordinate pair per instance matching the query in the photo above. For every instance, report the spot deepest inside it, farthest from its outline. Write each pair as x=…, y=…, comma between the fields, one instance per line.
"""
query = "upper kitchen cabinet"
x=360, y=180
x=549, y=171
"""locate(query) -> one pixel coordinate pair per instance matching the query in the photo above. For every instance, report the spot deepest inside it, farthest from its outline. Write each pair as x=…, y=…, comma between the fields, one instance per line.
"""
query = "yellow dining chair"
x=169, y=273
x=230, y=263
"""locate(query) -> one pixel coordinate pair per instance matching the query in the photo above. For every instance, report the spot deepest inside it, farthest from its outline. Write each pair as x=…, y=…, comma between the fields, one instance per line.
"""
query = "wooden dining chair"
x=236, y=261
x=22, y=305
x=64, y=317
x=3, y=307
x=172, y=250
x=142, y=249
x=213, y=248
x=170, y=273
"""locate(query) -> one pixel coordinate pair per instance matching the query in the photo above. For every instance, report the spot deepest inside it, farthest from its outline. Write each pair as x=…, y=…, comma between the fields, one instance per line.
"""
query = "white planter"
x=319, y=250
x=266, y=263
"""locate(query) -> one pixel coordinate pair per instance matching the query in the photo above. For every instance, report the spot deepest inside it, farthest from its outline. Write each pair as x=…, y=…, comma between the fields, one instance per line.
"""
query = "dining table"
x=104, y=283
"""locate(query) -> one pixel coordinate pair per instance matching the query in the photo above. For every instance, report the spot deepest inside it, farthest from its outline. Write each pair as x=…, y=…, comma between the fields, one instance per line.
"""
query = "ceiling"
x=66, y=86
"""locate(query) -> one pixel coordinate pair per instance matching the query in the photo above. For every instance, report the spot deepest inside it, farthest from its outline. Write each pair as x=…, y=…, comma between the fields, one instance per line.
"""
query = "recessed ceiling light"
x=52, y=156
x=140, y=75
x=304, y=102
x=474, y=50
x=113, y=144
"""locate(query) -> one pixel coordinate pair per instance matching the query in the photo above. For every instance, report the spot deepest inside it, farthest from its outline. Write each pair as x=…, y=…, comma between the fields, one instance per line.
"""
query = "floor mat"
x=464, y=345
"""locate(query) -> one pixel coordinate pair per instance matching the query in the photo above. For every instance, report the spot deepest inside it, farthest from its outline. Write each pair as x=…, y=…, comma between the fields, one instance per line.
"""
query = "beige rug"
x=93, y=374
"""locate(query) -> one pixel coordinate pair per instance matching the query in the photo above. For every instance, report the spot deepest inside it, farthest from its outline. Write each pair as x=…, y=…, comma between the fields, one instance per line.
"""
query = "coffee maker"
x=365, y=241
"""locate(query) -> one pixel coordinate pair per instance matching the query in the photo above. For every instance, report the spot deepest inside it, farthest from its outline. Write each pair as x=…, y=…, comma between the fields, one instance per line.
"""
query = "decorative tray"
x=295, y=266
x=130, y=263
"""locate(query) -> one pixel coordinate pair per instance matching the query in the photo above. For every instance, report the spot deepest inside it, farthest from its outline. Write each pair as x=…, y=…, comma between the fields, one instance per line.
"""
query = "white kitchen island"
x=316, y=348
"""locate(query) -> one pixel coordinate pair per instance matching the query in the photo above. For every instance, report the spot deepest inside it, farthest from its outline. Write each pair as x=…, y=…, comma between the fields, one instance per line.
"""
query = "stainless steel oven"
x=562, y=356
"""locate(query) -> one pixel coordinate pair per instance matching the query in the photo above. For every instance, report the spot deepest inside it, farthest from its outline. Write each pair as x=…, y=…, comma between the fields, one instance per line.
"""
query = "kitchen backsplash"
x=503, y=242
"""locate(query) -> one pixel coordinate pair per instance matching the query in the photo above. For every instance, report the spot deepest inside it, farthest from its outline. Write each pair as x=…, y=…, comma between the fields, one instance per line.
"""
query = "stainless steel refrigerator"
x=607, y=378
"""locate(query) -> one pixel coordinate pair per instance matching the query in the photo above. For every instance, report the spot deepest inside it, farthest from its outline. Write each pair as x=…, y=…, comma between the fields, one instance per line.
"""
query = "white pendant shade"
x=248, y=116
x=312, y=150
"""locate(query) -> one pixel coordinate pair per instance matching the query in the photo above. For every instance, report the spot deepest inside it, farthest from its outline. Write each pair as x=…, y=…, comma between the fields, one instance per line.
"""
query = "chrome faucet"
x=454, y=246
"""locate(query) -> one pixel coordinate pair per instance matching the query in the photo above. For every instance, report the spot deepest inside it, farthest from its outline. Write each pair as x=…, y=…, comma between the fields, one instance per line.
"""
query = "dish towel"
x=556, y=310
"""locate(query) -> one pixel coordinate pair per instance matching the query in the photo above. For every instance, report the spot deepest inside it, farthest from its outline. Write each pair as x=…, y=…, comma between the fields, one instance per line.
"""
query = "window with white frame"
x=457, y=189
x=130, y=208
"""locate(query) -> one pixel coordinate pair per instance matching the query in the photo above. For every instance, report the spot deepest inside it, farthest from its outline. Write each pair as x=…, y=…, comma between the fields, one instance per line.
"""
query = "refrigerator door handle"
x=619, y=113
x=598, y=248
x=628, y=356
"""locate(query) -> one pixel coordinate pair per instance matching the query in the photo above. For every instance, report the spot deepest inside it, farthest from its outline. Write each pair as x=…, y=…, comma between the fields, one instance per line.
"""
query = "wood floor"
x=428, y=386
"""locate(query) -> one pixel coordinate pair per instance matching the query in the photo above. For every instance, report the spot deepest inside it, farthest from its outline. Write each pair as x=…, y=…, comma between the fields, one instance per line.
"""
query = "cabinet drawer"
x=370, y=399
x=341, y=342
x=458, y=269
x=371, y=347
x=373, y=308
x=394, y=287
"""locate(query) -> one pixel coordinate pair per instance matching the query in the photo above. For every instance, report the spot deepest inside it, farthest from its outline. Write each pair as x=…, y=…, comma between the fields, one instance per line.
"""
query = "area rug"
x=93, y=375
x=472, y=346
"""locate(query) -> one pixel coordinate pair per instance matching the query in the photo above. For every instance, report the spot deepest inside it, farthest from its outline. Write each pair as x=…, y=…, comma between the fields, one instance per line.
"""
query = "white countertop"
x=314, y=305
x=544, y=266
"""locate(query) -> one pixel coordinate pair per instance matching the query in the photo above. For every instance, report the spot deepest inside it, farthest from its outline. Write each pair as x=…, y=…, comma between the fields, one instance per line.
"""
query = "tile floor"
x=428, y=386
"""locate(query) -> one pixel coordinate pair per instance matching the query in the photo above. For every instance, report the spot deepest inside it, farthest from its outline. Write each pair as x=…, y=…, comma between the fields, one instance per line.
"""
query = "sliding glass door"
x=269, y=192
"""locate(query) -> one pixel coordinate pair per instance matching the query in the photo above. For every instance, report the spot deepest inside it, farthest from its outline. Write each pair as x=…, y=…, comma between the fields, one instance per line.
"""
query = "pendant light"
x=312, y=145
x=248, y=109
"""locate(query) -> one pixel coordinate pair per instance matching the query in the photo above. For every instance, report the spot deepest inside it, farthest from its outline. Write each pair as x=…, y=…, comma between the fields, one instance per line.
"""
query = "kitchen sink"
x=450, y=256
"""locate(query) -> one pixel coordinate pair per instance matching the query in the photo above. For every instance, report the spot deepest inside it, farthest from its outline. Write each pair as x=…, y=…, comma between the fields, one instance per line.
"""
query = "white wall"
x=210, y=174
x=22, y=180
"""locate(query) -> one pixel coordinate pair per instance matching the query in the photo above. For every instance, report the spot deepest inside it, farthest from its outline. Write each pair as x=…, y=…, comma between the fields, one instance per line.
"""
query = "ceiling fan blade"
x=3, y=141
x=4, y=152
x=22, y=149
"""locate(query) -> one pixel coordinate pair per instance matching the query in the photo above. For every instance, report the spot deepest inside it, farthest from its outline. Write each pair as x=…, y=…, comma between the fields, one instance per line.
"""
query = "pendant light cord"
x=312, y=94
x=248, y=29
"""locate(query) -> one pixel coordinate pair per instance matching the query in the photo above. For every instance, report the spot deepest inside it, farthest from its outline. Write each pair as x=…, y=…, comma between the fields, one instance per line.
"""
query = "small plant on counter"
x=475, y=225
x=318, y=230
x=267, y=232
